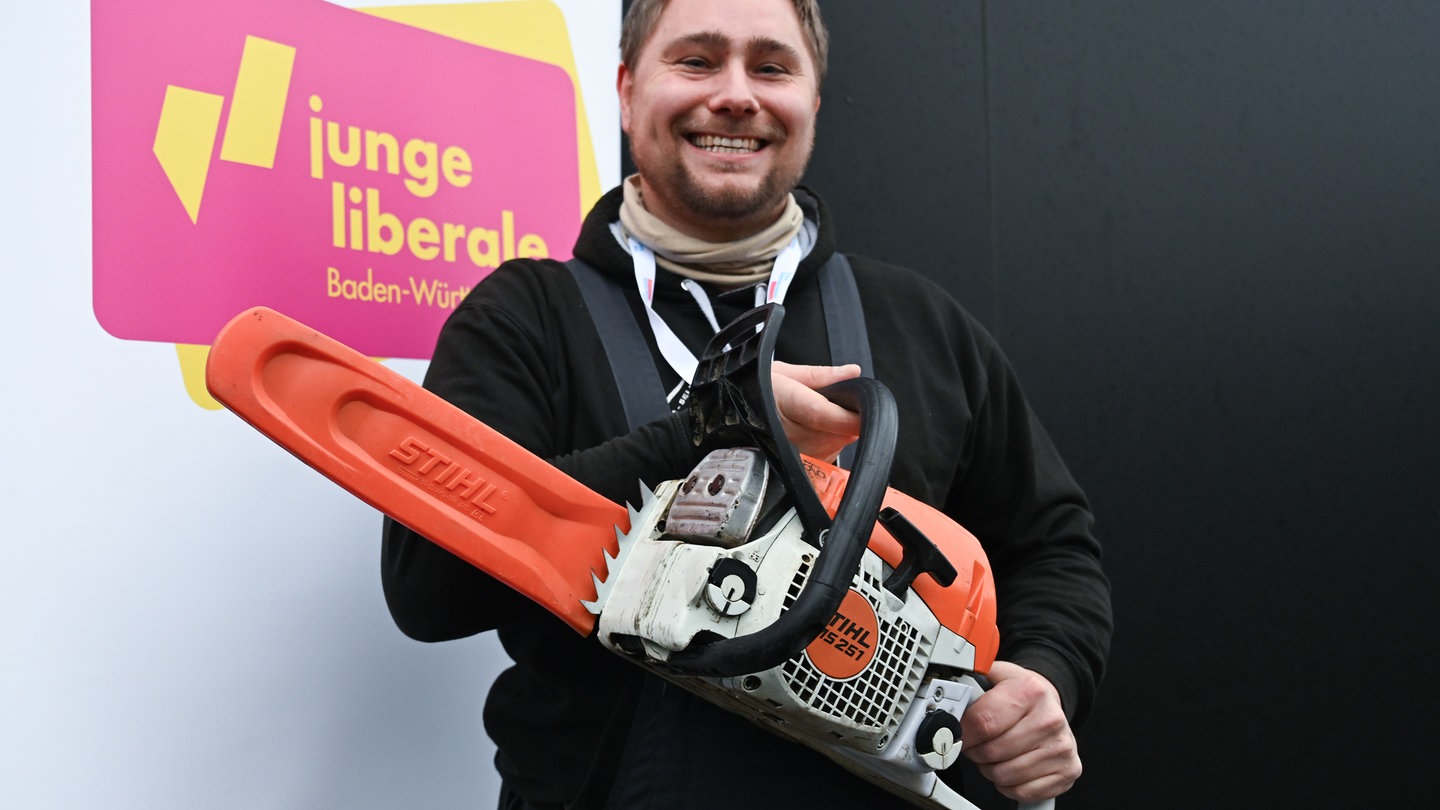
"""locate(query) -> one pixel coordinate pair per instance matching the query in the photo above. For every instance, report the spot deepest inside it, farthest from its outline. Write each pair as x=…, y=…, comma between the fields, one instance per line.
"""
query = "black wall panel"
x=1212, y=233
x=1216, y=245
x=901, y=149
x=1208, y=235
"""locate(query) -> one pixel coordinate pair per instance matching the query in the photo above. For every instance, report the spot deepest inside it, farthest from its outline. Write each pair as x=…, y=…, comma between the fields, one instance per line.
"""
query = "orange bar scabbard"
x=419, y=459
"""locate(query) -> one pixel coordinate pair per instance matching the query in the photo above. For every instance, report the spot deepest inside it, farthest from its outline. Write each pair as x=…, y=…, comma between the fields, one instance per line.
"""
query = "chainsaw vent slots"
x=873, y=700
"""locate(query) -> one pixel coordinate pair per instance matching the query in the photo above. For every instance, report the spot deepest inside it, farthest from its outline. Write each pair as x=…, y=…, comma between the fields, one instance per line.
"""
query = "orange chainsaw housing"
x=491, y=502
x=967, y=605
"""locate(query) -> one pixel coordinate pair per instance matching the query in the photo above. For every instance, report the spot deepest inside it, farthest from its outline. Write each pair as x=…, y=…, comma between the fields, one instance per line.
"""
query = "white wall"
x=189, y=617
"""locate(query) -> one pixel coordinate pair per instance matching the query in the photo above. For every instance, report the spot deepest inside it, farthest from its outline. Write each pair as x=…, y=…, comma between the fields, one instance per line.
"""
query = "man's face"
x=720, y=108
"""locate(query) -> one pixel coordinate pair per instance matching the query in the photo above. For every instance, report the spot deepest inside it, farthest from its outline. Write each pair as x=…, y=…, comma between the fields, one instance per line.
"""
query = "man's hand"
x=816, y=426
x=1018, y=736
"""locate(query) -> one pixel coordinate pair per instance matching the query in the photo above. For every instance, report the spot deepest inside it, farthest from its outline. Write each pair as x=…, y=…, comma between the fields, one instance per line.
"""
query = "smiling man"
x=720, y=108
x=719, y=99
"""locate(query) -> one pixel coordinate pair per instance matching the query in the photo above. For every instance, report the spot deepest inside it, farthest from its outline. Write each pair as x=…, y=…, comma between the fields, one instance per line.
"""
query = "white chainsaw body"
x=881, y=692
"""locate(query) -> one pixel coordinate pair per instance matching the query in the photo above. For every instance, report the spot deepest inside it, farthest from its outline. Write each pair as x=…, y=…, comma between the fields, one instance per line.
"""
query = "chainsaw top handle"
x=732, y=402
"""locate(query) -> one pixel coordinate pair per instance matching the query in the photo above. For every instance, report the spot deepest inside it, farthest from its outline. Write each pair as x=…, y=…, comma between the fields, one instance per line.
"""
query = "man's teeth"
x=717, y=143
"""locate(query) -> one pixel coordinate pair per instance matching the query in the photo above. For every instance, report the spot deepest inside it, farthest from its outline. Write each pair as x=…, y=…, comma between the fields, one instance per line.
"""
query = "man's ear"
x=624, y=83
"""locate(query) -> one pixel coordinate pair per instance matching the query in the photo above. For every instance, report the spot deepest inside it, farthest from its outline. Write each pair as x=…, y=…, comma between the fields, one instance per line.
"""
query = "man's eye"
x=694, y=62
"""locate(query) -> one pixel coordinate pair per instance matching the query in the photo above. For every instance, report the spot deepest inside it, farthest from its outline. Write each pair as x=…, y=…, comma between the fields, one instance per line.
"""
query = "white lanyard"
x=680, y=358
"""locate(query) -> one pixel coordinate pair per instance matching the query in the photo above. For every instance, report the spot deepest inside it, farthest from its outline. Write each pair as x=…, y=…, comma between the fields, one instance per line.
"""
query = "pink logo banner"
x=357, y=174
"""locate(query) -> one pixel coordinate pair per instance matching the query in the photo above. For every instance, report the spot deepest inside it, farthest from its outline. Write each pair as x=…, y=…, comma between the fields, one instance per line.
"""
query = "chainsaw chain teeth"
x=613, y=563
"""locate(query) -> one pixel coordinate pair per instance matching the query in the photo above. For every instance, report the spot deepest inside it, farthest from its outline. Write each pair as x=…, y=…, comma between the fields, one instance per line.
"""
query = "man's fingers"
x=1018, y=736
x=815, y=376
x=799, y=404
x=816, y=426
x=1040, y=774
x=810, y=410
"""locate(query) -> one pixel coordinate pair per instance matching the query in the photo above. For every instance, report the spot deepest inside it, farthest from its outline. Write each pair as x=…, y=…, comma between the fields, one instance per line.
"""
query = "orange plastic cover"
x=967, y=605
x=418, y=458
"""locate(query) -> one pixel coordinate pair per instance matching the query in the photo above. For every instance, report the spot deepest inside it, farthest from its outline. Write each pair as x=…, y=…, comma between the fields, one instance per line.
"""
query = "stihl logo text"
x=428, y=464
x=848, y=638
x=847, y=644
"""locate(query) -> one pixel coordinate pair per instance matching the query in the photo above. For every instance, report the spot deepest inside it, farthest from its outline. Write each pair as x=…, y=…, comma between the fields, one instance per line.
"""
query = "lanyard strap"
x=638, y=381
x=680, y=358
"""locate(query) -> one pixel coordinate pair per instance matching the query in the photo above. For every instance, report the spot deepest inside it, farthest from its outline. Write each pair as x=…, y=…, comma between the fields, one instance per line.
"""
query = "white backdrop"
x=188, y=617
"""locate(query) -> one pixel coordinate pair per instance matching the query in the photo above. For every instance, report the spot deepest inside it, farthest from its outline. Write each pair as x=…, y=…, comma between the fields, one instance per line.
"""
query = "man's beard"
x=732, y=203
x=727, y=204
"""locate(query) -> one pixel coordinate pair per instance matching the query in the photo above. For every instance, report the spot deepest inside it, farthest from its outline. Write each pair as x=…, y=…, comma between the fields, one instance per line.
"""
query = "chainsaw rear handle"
x=732, y=379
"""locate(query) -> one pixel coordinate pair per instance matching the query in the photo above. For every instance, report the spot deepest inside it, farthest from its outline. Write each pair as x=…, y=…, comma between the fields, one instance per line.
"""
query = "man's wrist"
x=1053, y=667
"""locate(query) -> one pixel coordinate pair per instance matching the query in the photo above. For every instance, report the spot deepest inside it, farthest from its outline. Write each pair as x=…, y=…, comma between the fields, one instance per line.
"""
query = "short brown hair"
x=644, y=15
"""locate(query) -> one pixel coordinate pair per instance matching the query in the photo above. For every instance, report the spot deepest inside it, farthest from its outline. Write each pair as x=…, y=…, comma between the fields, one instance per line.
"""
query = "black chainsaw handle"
x=733, y=401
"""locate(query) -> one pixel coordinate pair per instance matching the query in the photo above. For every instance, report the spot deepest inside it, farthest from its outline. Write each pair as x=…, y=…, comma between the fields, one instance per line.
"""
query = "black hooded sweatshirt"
x=578, y=727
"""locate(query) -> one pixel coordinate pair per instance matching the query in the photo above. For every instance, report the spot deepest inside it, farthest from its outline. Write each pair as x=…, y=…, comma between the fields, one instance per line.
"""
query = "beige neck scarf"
x=744, y=261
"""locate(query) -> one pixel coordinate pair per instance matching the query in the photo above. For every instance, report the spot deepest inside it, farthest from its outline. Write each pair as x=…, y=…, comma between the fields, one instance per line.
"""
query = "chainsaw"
x=815, y=601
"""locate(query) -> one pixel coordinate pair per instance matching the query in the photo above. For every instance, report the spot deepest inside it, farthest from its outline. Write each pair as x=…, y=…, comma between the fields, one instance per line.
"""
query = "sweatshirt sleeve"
x=1019, y=498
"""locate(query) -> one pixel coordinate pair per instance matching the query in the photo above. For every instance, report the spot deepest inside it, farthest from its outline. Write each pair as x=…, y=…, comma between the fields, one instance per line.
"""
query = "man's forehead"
x=755, y=26
x=764, y=44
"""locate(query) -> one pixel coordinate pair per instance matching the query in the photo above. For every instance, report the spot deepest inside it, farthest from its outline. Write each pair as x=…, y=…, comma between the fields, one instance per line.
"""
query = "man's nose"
x=734, y=91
